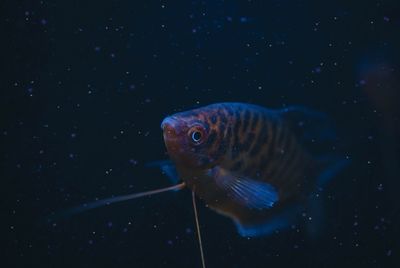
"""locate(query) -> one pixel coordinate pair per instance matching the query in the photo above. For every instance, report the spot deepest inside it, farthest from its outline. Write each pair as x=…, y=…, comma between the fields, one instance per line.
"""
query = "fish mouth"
x=171, y=132
x=169, y=123
x=172, y=145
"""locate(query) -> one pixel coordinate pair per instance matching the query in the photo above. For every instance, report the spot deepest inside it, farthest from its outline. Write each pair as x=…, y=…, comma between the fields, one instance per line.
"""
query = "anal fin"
x=266, y=227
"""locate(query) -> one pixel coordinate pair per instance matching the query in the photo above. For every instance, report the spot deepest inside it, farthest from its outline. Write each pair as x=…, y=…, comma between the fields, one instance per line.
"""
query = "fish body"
x=255, y=165
x=245, y=161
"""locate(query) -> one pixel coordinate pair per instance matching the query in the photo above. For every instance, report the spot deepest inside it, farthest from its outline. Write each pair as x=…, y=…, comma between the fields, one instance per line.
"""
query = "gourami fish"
x=254, y=165
x=250, y=163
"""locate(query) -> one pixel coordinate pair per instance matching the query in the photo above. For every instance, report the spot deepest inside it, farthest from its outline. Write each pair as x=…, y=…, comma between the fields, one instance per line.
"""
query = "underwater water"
x=86, y=84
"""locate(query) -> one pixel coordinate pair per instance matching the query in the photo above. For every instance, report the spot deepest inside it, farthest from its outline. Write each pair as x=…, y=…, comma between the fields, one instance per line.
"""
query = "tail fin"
x=316, y=131
x=330, y=166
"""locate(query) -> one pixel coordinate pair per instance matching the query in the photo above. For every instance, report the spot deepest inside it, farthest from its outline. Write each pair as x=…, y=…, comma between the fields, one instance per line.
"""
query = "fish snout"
x=172, y=130
x=171, y=127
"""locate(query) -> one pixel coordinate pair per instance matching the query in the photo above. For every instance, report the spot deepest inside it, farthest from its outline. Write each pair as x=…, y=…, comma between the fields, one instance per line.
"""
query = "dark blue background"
x=85, y=85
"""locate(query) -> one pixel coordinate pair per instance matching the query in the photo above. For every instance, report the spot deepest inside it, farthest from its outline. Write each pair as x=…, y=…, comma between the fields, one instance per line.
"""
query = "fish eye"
x=197, y=134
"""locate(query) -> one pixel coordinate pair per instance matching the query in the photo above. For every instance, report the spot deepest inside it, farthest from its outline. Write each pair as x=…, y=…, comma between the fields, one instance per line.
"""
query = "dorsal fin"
x=313, y=128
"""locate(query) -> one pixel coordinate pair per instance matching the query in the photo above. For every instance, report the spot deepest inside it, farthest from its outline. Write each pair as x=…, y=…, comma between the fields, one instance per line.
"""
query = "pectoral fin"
x=167, y=167
x=245, y=191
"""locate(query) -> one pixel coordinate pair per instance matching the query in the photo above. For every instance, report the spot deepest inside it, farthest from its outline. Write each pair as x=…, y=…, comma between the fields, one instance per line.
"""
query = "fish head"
x=187, y=138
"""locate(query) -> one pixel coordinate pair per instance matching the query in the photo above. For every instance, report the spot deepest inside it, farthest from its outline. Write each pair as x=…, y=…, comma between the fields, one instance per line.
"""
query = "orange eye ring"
x=197, y=135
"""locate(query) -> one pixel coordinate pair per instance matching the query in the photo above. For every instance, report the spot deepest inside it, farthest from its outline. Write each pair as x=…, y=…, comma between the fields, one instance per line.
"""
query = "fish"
x=250, y=163
x=257, y=166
